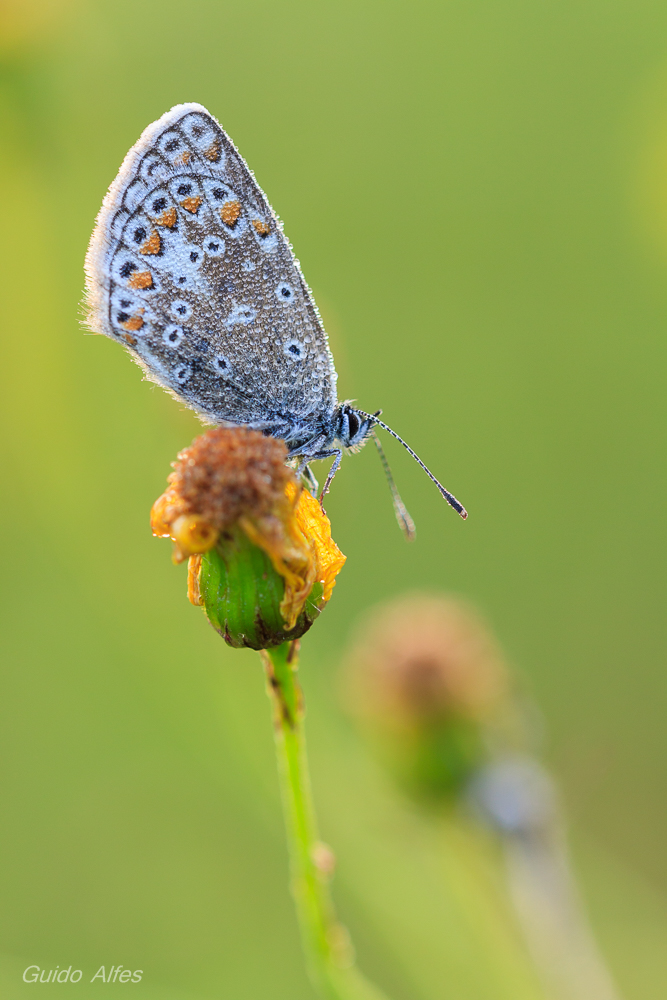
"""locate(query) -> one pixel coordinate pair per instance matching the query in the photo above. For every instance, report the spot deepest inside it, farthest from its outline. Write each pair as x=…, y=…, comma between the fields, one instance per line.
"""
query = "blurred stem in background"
x=516, y=797
x=263, y=565
x=431, y=691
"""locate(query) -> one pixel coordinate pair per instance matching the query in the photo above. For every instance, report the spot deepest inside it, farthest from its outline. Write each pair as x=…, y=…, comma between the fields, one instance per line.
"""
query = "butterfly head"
x=352, y=427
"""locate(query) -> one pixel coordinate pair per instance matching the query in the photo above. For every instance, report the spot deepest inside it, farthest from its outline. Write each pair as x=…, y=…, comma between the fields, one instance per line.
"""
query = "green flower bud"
x=242, y=594
x=262, y=562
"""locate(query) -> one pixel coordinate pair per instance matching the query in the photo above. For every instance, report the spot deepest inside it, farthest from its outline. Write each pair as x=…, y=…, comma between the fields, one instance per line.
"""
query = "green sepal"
x=241, y=594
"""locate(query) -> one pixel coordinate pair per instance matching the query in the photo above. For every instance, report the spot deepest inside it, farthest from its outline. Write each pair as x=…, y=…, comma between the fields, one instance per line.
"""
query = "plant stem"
x=325, y=941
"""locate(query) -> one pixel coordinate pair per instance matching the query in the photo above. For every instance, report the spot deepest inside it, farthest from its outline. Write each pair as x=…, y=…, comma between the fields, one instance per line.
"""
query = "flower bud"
x=262, y=562
x=428, y=684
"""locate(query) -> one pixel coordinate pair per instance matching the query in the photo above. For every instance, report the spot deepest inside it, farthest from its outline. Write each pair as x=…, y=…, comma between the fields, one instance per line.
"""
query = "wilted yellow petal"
x=300, y=546
x=194, y=568
x=316, y=526
x=164, y=512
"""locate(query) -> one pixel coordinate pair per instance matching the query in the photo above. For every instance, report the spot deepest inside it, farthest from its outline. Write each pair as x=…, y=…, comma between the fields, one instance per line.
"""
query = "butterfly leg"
x=311, y=482
x=304, y=472
x=337, y=455
x=311, y=452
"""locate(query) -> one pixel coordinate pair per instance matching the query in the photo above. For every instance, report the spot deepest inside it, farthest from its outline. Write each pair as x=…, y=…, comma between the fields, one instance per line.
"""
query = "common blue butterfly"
x=188, y=267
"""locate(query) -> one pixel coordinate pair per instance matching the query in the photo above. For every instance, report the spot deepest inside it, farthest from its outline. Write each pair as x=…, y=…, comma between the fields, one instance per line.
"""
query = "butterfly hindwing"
x=188, y=267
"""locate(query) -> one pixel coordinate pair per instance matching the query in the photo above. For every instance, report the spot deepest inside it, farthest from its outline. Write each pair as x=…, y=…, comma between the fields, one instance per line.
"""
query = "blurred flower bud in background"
x=262, y=562
x=428, y=684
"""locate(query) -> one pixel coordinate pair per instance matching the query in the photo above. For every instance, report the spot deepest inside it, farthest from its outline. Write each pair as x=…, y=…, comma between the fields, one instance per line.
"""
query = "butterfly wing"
x=188, y=267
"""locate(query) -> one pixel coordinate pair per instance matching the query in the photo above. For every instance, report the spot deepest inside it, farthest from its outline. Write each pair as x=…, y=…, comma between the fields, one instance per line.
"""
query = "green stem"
x=325, y=941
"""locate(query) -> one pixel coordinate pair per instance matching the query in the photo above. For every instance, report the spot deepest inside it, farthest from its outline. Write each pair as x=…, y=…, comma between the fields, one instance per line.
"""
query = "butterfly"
x=188, y=267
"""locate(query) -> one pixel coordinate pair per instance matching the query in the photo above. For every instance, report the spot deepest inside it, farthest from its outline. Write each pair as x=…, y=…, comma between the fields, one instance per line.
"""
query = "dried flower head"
x=260, y=546
x=225, y=474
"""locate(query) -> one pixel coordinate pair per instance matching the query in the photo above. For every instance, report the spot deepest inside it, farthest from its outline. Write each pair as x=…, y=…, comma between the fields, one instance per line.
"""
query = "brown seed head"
x=228, y=473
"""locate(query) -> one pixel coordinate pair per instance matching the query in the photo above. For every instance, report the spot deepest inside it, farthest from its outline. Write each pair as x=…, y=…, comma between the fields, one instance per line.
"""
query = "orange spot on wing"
x=130, y=339
x=192, y=204
x=230, y=212
x=152, y=244
x=141, y=279
x=262, y=228
x=184, y=158
x=168, y=218
x=213, y=151
x=133, y=323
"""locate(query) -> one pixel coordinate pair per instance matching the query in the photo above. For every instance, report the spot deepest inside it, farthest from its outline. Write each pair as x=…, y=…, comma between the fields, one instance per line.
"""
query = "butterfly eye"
x=172, y=336
x=182, y=373
x=353, y=423
x=139, y=235
x=285, y=292
x=159, y=204
x=184, y=189
x=221, y=365
x=194, y=256
x=127, y=268
x=219, y=193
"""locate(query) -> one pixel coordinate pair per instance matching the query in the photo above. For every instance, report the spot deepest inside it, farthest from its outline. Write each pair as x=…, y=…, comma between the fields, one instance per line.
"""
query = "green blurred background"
x=477, y=191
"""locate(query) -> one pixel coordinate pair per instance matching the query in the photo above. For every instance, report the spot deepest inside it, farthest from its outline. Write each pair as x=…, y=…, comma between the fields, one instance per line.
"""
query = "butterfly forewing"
x=188, y=267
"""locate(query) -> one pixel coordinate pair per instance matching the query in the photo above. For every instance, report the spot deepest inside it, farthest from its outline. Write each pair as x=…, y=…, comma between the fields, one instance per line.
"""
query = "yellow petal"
x=316, y=526
x=163, y=512
x=194, y=568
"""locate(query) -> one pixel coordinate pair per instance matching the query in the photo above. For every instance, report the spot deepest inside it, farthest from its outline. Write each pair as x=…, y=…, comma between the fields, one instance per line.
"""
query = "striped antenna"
x=449, y=497
x=406, y=523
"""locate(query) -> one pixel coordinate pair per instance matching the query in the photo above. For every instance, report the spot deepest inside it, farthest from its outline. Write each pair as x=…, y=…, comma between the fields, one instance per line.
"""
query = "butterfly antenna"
x=402, y=516
x=449, y=497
